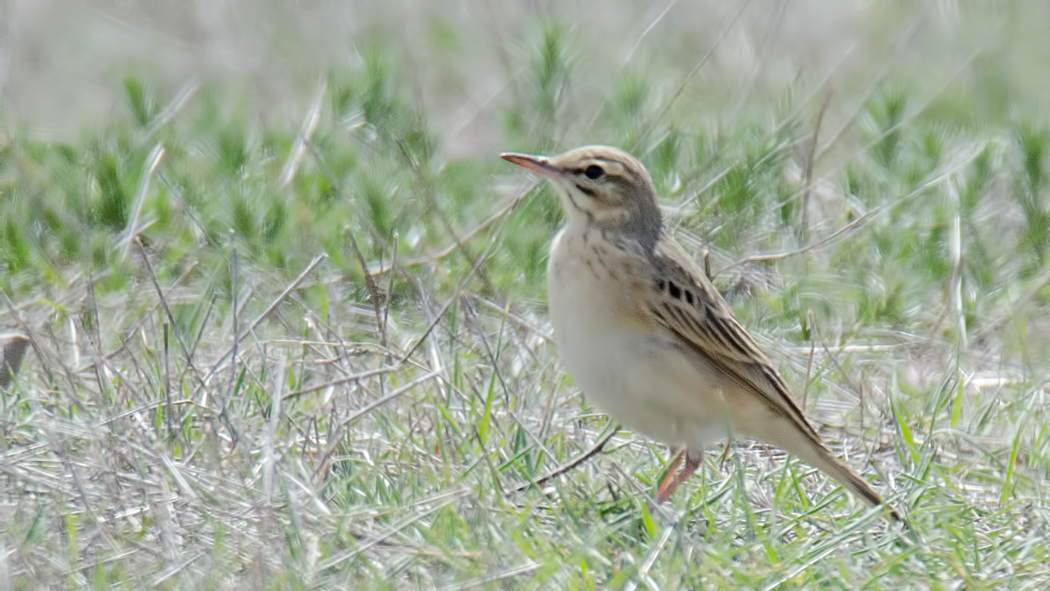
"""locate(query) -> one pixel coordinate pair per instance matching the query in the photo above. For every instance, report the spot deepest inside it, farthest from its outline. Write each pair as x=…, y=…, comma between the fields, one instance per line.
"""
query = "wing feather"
x=705, y=322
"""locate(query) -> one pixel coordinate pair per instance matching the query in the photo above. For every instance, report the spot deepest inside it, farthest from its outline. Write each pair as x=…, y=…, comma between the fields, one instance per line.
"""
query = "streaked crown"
x=601, y=185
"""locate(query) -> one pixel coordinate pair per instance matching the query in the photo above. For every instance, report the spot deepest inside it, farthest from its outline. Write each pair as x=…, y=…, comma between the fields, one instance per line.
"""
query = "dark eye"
x=593, y=172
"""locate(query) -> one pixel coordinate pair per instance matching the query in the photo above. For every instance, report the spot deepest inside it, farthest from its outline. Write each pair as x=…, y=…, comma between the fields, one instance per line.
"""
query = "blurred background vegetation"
x=287, y=305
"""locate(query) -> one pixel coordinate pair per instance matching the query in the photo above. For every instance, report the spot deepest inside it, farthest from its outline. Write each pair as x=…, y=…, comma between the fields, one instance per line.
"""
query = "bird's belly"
x=649, y=387
x=643, y=379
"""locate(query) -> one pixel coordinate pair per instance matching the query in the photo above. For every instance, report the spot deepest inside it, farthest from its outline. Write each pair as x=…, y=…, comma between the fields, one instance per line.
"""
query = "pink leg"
x=668, y=487
x=675, y=460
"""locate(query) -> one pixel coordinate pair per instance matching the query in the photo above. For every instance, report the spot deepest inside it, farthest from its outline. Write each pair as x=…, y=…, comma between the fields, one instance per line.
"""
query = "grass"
x=313, y=353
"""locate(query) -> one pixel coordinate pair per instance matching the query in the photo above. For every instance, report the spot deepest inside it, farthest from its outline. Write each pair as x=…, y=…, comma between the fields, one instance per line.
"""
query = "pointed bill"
x=538, y=164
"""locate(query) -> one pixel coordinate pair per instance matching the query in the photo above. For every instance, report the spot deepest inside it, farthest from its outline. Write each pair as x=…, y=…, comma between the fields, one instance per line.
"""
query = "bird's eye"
x=593, y=172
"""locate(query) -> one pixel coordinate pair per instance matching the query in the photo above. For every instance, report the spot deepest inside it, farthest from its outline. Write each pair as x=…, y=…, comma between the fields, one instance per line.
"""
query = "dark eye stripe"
x=585, y=190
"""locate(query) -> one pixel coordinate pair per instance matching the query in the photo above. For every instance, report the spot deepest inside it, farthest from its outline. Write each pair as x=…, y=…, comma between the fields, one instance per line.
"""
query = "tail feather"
x=795, y=441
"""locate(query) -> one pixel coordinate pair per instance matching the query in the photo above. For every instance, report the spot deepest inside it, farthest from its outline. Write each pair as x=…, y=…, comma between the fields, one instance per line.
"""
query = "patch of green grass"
x=220, y=398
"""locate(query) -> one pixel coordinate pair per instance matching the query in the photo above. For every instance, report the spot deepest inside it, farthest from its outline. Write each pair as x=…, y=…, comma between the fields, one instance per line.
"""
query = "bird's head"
x=603, y=186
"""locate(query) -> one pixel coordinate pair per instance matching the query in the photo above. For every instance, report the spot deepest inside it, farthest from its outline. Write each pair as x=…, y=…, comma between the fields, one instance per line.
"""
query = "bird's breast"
x=627, y=364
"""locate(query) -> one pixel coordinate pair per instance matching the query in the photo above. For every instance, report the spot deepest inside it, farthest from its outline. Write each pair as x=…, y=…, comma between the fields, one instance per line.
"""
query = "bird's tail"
x=794, y=440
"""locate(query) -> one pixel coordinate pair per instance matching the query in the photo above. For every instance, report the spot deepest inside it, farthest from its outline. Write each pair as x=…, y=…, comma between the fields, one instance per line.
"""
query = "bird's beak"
x=540, y=164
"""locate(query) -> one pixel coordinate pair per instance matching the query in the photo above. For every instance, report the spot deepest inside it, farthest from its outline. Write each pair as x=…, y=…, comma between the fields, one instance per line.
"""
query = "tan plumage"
x=647, y=336
x=12, y=349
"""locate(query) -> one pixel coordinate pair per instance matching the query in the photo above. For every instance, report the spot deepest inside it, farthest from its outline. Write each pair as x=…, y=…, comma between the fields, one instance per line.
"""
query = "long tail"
x=789, y=437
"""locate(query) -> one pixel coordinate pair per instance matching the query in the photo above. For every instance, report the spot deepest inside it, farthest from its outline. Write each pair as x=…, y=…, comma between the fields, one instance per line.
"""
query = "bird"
x=12, y=349
x=645, y=333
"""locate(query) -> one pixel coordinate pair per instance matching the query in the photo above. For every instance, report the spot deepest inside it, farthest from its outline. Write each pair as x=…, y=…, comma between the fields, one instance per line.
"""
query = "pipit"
x=11, y=351
x=645, y=333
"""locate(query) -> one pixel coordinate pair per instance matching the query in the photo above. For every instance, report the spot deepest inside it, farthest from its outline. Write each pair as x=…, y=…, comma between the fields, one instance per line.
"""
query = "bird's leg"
x=669, y=484
x=675, y=460
x=666, y=488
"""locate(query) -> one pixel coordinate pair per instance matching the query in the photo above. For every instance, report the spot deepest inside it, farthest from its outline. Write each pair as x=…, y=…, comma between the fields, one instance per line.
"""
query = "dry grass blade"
x=573, y=463
x=419, y=430
x=265, y=313
x=511, y=573
x=313, y=116
x=392, y=396
x=662, y=113
x=131, y=234
x=428, y=507
x=811, y=157
x=370, y=283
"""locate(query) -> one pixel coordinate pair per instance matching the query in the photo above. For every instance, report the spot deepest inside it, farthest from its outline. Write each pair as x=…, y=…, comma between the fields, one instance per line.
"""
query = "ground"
x=287, y=306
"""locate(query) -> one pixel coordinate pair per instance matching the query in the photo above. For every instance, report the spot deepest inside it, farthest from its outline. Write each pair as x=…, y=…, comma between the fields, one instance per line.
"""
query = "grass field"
x=289, y=329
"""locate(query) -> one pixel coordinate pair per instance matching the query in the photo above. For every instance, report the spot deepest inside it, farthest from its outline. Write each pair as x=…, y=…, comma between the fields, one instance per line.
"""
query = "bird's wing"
x=689, y=305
